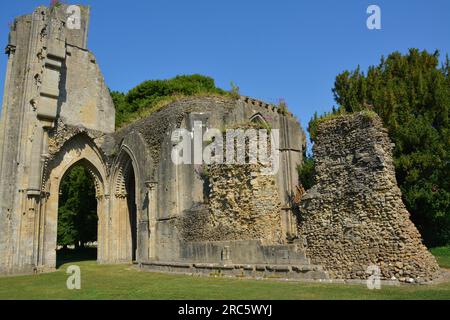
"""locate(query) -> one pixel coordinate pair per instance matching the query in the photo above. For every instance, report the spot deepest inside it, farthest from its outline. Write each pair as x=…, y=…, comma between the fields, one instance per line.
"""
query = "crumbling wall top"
x=354, y=219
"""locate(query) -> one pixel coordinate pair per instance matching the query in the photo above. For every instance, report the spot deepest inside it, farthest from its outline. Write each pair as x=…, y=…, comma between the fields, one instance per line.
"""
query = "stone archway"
x=124, y=201
x=79, y=150
x=81, y=211
x=258, y=118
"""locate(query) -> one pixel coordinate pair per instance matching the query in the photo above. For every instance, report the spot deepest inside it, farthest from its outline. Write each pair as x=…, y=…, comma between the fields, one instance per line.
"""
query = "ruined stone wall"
x=241, y=202
x=179, y=191
x=51, y=78
x=86, y=100
x=243, y=205
x=57, y=111
x=354, y=216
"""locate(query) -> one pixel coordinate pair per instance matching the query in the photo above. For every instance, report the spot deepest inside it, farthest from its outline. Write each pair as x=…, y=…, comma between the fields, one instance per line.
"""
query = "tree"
x=411, y=94
x=149, y=94
x=306, y=172
x=77, y=214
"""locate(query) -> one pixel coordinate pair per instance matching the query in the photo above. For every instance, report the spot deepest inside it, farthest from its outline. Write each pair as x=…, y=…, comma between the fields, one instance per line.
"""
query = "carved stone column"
x=101, y=228
x=152, y=208
x=106, y=225
x=121, y=237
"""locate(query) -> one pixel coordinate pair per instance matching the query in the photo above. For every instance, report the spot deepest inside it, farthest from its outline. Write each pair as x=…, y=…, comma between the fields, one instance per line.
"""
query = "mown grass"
x=442, y=255
x=126, y=282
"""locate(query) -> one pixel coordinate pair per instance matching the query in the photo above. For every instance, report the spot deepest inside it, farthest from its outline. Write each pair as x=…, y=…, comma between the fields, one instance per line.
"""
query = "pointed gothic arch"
x=258, y=118
x=124, y=204
x=79, y=150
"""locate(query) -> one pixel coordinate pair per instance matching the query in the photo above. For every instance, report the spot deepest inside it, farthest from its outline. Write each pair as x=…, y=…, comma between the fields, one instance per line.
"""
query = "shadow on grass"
x=64, y=256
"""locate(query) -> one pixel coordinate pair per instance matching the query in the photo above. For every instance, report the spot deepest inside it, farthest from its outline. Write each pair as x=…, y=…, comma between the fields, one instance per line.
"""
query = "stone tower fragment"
x=51, y=78
x=354, y=218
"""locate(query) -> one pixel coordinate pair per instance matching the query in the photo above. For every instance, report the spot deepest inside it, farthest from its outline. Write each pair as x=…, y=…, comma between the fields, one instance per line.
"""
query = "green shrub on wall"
x=150, y=95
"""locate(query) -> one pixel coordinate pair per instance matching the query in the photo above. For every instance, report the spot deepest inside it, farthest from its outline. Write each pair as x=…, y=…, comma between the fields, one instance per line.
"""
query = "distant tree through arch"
x=77, y=213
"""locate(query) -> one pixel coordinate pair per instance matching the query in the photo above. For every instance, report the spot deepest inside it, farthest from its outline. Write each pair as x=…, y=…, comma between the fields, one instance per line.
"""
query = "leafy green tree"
x=307, y=173
x=411, y=94
x=77, y=214
x=148, y=94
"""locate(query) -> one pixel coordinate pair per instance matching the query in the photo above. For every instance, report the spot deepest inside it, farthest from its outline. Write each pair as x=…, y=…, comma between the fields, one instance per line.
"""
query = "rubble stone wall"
x=354, y=216
x=243, y=205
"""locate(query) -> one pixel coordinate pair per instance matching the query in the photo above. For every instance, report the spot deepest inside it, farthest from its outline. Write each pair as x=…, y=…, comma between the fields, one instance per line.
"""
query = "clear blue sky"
x=270, y=49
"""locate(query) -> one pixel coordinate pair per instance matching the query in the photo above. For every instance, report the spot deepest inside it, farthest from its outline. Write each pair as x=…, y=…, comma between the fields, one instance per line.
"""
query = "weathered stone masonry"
x=241, y=203
x=194, y=230
x=51, y=77
x=57, y=113
x=354, y=216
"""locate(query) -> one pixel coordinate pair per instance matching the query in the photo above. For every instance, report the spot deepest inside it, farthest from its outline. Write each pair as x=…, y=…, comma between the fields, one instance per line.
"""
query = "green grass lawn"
x=442, y=255
x=125, y=282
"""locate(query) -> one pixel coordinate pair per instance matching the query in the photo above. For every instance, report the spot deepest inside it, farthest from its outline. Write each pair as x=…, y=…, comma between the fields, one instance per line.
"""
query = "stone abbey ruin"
x=58, y=113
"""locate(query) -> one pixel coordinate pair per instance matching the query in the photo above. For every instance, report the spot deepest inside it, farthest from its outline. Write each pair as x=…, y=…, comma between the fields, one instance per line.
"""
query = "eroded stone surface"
x=51, y=77
x=57, y=113
x=242, y=204
x=354, y=216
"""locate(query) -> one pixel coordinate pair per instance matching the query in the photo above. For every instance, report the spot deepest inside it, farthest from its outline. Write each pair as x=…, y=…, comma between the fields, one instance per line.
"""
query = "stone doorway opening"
x=77, y=227
x=131, y=203
x=80, y=150
x=125, y=210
